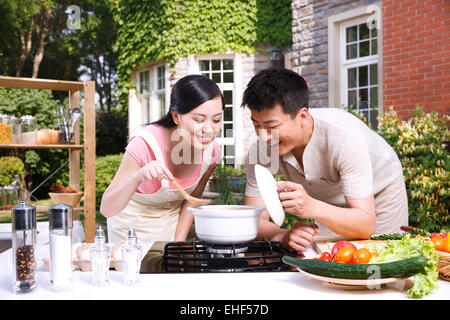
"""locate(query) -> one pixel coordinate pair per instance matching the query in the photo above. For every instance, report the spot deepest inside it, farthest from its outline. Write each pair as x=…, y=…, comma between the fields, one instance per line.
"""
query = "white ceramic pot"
x=226, y=224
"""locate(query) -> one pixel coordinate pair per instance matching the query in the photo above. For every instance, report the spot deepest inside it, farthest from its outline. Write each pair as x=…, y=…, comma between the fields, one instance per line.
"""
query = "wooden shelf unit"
x=74, y=88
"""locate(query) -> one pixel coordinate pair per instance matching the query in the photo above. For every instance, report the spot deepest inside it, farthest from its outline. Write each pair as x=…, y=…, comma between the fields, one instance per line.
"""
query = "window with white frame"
x=161, y=89
x=359, y=68
x=151, y=84
x=222, y=72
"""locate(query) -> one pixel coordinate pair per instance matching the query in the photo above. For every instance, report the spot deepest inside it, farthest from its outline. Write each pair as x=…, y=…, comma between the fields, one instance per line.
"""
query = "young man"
x=338, y=171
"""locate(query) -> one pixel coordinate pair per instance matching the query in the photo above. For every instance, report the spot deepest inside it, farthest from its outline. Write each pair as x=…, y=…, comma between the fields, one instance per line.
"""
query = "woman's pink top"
x=143, y=154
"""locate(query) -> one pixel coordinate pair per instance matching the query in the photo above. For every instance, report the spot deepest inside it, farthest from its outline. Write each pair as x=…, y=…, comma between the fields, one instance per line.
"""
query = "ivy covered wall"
x=165, y=30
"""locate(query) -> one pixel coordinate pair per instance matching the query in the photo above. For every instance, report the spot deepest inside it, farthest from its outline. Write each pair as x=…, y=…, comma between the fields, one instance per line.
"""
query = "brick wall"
x=416, y=55
x=310, y=42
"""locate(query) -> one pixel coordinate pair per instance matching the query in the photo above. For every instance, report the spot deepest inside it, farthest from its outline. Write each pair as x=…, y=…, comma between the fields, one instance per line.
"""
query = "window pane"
x=374, y=47
x=364, y=49
x=351, y=34
x=362, y=76
x=229, y=150
x=352, y=99
x=204, y=65
x=363, y=31
x=373, y=74
x=215, y=64
x=363, y=98
x=352, y=51
x=228, y=77
x=352, y=78
x=162, y=104
x=373, y=31
x=228, y=127
x=227, y=64
x=161, y=78
x=228, y=114
x=216, y=77
x=228, y=96
x=374, y=97
x=206, y=74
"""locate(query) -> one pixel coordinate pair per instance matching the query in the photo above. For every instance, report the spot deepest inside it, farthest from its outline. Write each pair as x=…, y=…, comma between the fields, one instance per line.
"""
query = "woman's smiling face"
x=202, y=124
x=278, y=129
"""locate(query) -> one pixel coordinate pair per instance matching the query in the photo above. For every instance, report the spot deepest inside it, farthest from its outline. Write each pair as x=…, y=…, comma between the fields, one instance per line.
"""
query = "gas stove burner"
x=228, y=249
x=199, y=256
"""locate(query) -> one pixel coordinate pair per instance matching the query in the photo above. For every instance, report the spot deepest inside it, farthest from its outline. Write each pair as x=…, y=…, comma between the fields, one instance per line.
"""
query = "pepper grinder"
x=131, y=258
x=24, y=247
x=60, y=224
x=100, y=257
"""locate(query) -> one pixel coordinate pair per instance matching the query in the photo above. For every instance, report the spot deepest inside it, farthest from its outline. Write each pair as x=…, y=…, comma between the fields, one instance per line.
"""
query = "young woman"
x=180, y=145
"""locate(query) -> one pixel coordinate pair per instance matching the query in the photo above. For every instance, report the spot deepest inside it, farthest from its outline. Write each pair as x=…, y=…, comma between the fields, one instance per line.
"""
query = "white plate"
x=369, y=283
x=268, y=188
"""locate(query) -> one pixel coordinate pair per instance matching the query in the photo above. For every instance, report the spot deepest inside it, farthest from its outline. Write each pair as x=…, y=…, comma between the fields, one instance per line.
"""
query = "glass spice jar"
x=60, y=224
x=15, y=129
x=24, y=247
x=28, y=126
x=5, y=129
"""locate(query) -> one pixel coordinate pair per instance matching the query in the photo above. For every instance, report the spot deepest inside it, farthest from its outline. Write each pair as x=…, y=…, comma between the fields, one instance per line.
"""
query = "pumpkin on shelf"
x=65, y=195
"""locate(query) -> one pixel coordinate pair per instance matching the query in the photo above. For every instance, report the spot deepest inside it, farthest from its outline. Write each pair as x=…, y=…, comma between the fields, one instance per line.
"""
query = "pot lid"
x=268, y=189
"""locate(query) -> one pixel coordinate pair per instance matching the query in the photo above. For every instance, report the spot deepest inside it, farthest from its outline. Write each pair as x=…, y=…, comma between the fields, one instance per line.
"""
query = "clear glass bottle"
x=15, y=127
x=131, y=258
x=5, y=129
x=11, y=198
x=60, y=225
x=100, y=258
x=24, y=247
x=28, y=135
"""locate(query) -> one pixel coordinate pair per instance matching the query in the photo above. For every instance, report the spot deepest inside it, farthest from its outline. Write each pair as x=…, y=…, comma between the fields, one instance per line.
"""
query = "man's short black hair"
x=276, y=85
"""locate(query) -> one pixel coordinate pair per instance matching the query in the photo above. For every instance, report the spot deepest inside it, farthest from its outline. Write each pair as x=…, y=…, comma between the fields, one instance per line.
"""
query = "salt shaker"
x=60, y=224
x=24, y=247
x=131, y=258
x=100, y=257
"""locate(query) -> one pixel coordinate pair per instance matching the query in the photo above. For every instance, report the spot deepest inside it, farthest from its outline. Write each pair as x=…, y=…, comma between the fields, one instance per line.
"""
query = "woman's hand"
x=295, y=199
x=154, y=170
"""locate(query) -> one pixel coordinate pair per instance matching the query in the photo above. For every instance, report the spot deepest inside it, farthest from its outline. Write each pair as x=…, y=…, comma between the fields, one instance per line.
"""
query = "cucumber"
x=395, y=269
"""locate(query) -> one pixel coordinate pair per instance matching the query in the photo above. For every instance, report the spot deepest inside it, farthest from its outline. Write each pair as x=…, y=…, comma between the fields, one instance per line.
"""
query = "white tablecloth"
x=196, y=286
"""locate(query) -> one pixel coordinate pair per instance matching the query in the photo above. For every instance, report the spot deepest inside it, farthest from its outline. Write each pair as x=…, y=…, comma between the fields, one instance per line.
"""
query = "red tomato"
x=437, y=234
x=341, y=244
x=345, y=255
x=362, y=256
x=438, y=243
x=326, y=256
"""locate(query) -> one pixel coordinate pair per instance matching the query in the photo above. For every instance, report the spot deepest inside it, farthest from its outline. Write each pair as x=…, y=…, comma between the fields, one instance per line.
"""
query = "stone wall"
x=310, y=42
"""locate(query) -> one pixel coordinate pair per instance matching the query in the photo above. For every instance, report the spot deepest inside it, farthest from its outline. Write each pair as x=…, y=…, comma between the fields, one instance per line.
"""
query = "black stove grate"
x=199, y=256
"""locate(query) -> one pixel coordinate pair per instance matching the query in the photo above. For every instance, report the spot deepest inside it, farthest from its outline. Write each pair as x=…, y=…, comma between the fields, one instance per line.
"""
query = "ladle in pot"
x=187, y=196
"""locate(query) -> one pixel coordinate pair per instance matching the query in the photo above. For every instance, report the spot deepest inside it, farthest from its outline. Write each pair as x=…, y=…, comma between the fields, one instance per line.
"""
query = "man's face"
x=278, y=129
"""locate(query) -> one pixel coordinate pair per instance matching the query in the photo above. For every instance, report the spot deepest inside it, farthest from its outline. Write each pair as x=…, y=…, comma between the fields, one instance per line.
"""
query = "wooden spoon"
x=187, y=196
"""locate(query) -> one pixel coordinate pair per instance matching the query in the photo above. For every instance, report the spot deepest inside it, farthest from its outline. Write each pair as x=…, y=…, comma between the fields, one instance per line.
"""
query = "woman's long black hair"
x=187, y=94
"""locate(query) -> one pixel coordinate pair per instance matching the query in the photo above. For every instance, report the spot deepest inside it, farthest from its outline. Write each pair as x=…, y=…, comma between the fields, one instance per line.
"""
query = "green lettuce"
x=425, y=281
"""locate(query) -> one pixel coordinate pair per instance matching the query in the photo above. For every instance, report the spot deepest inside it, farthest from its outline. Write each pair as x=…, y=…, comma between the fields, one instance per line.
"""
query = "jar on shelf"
x=5, y=129
x=15, y=129
x=11, y=198
x=28, y=126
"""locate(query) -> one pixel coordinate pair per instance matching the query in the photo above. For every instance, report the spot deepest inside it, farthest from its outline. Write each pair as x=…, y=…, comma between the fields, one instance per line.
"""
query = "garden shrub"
x=105, y=170
x=420, y=144
x=9, y=167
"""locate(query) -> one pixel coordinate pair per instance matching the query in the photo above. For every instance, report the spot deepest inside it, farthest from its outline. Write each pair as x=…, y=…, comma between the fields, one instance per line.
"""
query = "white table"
x=196, y=286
